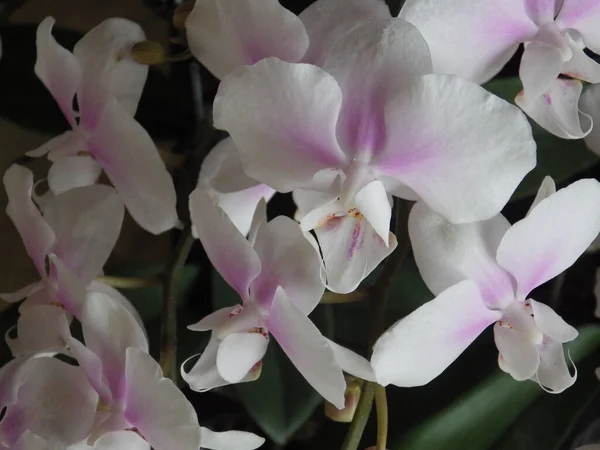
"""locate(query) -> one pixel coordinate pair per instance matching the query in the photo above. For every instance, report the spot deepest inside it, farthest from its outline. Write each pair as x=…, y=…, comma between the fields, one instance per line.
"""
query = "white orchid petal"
x=448, y=253
x=156, y=407
x=351, y=362
x=436, y=126
x=301, y=104
x=556, y=110
x=238, y=353
x=73, y=172
x=540, y=66
x=547, y=188
x=228, y=250
x=57, y=68
x=421, y=346
x=307, y=349
x=230, y=440
x=37, y=235
x=226, y=34
x=551, y=323
x=351, y=250
x=470, y=38
x=551, y=238
x=299, y=276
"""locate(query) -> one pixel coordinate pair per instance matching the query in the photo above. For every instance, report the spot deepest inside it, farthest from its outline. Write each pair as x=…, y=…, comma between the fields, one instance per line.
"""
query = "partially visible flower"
x=69, y=245
x=277, y=274
x=132, y=392
x=222, y=177
x=371, y=123
x=227, y=34
x=46, y=397
x=108, y=84
x=475, y=38
x=483, y=273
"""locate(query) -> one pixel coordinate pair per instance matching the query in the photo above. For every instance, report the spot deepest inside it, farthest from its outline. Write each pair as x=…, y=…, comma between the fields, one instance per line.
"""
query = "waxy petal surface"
x=440, y=125
x=551, y=238
x=307, y=349
x=421, y=346
x=301, y=104
x=228, y=250
x=448, y=253
x=227, y=34
x=470, y=38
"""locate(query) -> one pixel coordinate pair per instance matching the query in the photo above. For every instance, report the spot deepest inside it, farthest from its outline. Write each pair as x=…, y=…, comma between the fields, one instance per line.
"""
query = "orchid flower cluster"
x=345, y=107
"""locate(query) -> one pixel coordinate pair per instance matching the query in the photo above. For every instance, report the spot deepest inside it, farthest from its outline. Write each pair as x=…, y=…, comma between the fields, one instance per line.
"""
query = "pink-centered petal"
x=437, y=126
x=470, y=38
x=229, y=251
x=448, y=253
x=227, y=34
x=132, y=163
x=551, y=238
x=307, y=349
x=299, y=276
x=421, y=346
x=57, y=68
x=301, y=104
x=351, y=250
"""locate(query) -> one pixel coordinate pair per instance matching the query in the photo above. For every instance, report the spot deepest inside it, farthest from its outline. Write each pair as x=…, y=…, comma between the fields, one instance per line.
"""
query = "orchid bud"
x=352, y=395
x=181, y=14
x=149, y=53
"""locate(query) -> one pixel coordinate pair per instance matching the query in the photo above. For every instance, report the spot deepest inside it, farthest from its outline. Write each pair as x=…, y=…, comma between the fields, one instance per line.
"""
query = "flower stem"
x=382, y=417
x=361, y=416
x=171, y=278
x=130, y=282
x=378, y=299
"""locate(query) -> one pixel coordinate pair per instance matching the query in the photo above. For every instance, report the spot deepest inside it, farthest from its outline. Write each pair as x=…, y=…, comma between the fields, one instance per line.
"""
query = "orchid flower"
x=370, y=123
x=222, y=165
x=227, y=34
x=69, y=245
x=133, y=394
x=104, y=135
x=46, y=397
x=277, y=274
x=483, y=273
x=476, y=38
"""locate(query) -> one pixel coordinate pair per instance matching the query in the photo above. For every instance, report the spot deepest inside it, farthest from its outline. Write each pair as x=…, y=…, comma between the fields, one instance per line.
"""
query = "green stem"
x=378, y=299
x=130, y=282
x=361, y=416
x=382, y=417
x=172, y=275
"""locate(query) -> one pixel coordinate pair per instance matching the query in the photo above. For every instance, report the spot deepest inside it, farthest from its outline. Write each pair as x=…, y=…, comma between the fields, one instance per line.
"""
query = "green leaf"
x=281, y=400
x=482, y=416
x=559, y=158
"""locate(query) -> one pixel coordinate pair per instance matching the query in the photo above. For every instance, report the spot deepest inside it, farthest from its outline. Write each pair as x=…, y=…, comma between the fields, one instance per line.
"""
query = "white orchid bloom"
x=277, y=274
x=69, y=244
x=227, y=34
x=482, y=274
x=370, y=123
x=108, y=84
x=476, y=38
